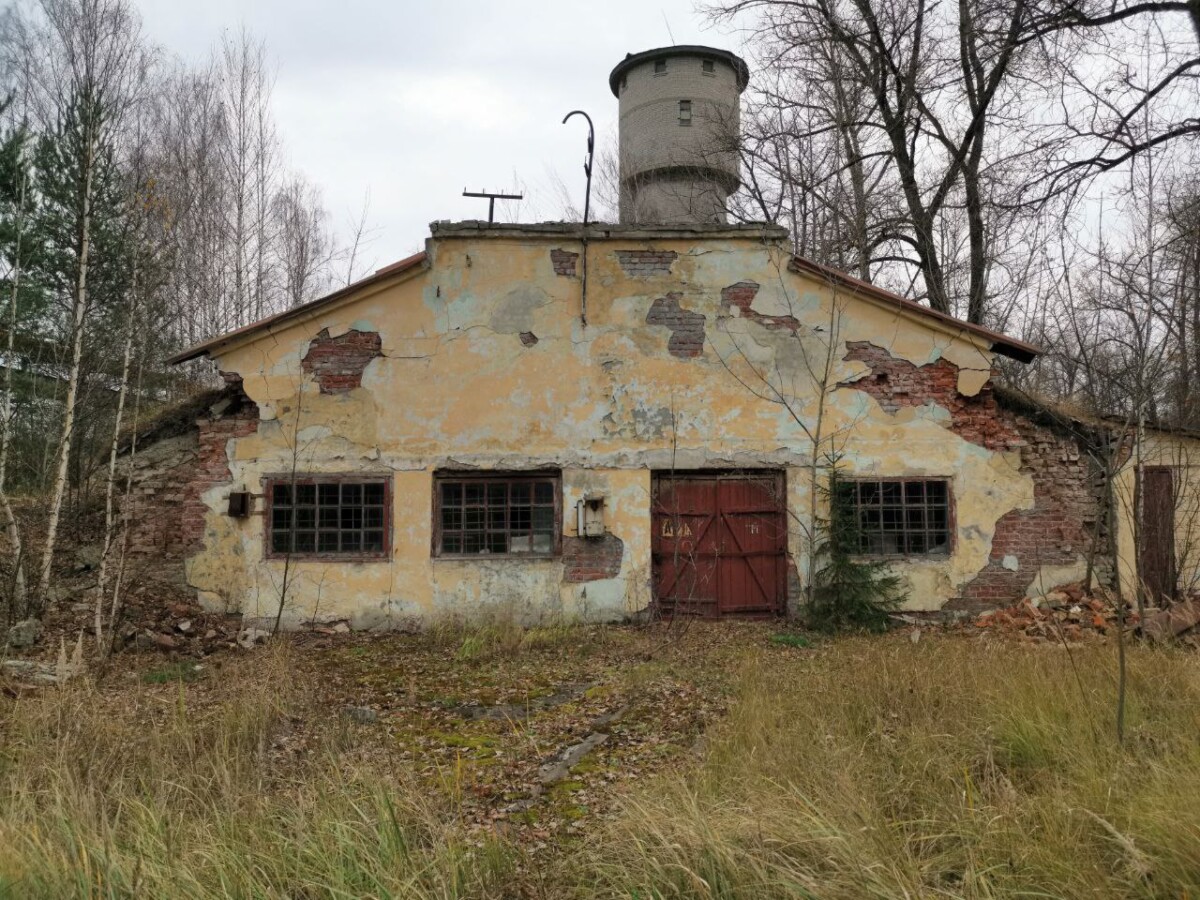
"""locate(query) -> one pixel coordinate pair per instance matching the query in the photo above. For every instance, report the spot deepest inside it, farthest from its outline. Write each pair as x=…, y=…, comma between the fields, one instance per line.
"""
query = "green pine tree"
x=850, y=593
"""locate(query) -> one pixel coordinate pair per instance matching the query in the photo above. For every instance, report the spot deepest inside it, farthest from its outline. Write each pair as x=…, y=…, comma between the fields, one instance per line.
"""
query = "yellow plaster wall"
x=606, y=403
x=1182, y=455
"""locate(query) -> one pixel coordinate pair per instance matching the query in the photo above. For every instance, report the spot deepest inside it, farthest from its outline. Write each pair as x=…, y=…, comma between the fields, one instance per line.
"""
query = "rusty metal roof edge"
x=1000, y=343
x=411, y=263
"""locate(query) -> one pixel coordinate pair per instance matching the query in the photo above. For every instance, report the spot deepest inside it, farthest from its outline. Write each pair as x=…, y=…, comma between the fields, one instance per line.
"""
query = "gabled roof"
x=298, y=312
x=997, y=342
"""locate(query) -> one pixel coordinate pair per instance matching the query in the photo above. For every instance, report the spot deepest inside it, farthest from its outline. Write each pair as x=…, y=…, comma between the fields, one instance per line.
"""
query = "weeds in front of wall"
x=868, y=767
x=500, y=633
x=100, y=800
x=883, y=768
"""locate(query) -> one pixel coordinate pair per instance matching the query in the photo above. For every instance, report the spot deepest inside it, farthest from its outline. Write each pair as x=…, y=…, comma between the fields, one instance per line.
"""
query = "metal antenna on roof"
x=491, y=199
x=587, y=202
x=587, y=163
x=668, y=24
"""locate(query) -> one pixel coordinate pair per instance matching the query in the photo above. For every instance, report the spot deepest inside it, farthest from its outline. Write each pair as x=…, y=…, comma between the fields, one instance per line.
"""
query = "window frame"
x=951, y=519
x=685, y=112
x=270, y=482
x=507, y=477
x=708, y=67
x=660, y=62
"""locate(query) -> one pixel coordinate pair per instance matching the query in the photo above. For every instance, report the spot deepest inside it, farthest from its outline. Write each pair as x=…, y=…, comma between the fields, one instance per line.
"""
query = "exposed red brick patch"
x=591, y=559
x=687, y=327
x=167, y=515
x=742, y=296
x=1057, y=530
x=563, y=261
x=338, y=363
x=646, y=262
x=897, y=383
x=528, y=338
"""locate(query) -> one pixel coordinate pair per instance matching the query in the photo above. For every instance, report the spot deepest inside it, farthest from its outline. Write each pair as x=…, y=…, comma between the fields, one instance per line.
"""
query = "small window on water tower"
x=660, y=67
x=685, y=112
x=708, y=67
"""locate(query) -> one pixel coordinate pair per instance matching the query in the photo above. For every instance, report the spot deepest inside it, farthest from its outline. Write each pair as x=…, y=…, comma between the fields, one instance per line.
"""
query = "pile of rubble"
x=1057, y=618
x=1070, y=614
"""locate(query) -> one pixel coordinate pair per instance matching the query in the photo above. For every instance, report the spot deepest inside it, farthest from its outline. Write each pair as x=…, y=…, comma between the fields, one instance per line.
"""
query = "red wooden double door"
x=720, y=543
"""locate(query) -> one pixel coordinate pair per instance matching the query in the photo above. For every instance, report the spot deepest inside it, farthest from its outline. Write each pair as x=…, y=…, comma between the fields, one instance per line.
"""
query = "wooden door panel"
x=719, y=543
x=1156, y=558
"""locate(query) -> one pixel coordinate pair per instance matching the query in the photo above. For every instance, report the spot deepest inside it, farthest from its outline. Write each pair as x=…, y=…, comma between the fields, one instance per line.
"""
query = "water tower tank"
x=679, y=109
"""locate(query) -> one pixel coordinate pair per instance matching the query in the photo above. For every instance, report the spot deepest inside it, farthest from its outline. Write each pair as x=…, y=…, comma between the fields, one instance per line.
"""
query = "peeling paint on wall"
x=687, y=327
x=637, y=263
x=741, y=296
x=454, y=383
x=563, y=262
x=337, y=363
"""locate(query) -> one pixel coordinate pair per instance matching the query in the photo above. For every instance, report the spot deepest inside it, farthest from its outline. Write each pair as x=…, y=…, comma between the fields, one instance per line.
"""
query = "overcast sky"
x=414, y=101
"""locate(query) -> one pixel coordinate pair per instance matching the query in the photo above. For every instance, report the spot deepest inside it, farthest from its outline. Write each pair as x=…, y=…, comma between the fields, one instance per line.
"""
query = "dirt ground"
x=532, y=734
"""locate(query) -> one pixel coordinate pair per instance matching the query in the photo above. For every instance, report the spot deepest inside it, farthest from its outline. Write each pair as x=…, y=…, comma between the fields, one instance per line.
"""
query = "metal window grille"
x=909, y=517
x=329, y=517
x=497, y=516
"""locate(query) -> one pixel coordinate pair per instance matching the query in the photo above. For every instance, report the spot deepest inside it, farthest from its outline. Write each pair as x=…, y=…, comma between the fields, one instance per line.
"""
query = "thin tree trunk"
x=109, y=513
x=78, y=315
x=115, y=608
x=11, y=529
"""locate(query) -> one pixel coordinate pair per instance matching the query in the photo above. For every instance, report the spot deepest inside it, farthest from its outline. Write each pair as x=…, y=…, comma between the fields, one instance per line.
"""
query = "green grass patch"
x=178, y=671
x=791, y=639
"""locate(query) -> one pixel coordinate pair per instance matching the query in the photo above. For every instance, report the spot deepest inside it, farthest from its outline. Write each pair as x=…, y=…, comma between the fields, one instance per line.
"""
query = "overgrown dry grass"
x=167, y=800
x=861, y=768
x=951, y=768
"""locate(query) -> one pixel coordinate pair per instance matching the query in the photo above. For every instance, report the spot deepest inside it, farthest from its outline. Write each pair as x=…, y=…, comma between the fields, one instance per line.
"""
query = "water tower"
x=679, y=110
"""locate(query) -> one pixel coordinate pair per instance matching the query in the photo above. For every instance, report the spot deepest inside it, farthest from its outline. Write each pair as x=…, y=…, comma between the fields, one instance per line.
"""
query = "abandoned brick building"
x=589, y=420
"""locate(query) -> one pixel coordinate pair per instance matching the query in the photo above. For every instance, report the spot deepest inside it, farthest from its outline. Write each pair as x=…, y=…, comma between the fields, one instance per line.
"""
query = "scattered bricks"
x=591, y=559
x=741, y=295
x=687, y=327
x=1026, y=622
x=646, y=262
x=338, y=363
x=563, y=262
